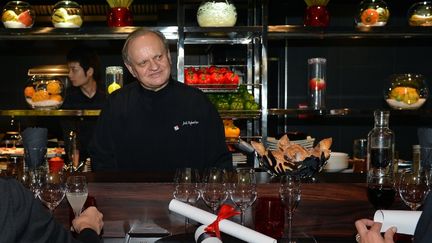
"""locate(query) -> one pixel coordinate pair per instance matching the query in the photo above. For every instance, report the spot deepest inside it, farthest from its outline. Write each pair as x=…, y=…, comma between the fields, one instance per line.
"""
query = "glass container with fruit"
x=18, y=15
x=372, y=13
x=420, y=14
x=67, y=14
x=216, y=13
x=317, y=13
x=45, y=89
x=406, y=91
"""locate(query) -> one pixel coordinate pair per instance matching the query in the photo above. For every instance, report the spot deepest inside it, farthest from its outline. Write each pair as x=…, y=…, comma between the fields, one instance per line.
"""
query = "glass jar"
x=420, y=14
x=406, y=91
x=44, y=92
x=372, y=13
x=217, y=13
x=18, y=14
x=119, y=16
x=67, y=14
x=317, y=82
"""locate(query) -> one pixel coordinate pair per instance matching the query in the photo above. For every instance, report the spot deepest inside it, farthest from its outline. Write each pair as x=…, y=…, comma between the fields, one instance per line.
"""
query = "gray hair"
x=141, y=32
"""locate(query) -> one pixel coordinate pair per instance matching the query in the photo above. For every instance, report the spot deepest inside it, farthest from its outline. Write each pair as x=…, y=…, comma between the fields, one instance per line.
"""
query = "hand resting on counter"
x=91, y=218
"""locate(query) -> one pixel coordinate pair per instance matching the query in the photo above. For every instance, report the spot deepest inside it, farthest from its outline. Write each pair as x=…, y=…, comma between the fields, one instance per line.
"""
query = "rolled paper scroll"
x=225, y=226
x=404, y=221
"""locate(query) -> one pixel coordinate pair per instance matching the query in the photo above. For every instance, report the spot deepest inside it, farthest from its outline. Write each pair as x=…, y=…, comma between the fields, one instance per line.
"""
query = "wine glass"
x=381, y=190
x=76, y=193
x=290, y=194
x=244, y=193
x=413, y=188
x=214, y=191
x=186, y=187
x=52, y=190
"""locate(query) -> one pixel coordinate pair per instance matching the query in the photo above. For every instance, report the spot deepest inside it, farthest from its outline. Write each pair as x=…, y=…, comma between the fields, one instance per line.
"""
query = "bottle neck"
x=381, y=119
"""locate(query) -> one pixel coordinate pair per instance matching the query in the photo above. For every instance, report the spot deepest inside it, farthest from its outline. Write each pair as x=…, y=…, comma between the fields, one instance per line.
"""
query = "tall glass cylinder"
x=113, y=78
x=317, y=82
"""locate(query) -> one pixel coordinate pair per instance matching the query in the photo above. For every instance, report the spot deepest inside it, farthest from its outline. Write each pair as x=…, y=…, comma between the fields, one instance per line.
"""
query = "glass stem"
x=242, y=216
x=289, y=217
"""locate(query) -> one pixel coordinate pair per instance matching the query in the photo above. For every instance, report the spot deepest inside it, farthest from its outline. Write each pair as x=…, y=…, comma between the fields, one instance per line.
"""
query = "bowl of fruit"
x=406, y=91
x=67, y=14
x=44, y=93
x=18, y=15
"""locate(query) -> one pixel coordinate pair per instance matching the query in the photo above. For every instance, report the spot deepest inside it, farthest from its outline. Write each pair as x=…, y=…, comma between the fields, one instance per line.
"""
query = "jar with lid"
x=406, y=91
x=18, y=15
x=67, y=14
x=44, y=92
x=420, y=14
x=216, y=13
x=372, y=13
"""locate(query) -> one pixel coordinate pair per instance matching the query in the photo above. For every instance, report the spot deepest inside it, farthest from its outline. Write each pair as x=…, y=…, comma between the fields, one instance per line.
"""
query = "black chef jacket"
x=140, y=129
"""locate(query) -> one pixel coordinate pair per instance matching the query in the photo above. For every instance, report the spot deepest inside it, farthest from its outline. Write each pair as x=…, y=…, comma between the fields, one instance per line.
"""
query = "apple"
x=317, y=84
x=25, y=18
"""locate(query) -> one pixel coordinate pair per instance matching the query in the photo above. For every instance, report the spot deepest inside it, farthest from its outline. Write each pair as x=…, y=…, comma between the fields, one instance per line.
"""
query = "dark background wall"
x=357, y=69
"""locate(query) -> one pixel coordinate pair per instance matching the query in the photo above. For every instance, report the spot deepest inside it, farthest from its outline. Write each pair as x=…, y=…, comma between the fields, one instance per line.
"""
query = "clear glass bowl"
x=44, y=92
x=67, y=14
x=372, y=13
x=217, y=13
x=18, y=15
x=420, y=14
x=406, y=91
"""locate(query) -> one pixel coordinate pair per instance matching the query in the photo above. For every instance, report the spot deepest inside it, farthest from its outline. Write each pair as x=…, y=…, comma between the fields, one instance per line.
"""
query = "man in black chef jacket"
x=157, y=123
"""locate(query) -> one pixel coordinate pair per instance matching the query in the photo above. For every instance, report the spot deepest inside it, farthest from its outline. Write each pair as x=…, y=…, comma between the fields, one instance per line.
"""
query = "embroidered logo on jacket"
x=186, y=123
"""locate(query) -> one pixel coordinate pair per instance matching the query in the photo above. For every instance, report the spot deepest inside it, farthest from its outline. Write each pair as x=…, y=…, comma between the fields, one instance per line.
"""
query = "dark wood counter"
x=326, y=210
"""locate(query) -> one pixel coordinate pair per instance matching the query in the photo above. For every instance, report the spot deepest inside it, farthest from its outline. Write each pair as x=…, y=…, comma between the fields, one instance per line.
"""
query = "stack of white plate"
x=306, y=143
x=239, y=158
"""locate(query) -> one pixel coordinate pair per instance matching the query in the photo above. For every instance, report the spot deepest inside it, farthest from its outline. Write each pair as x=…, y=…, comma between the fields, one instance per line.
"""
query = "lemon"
x=112, y=87
x=9, y=15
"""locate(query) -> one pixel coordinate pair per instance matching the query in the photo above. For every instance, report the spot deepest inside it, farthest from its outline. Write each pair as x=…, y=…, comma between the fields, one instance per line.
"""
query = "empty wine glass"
x=214, y=192
x=413, y=188
x=243, y=193
x=290, y=194
x=186, y=187
x=76, y=193
x=52, y=190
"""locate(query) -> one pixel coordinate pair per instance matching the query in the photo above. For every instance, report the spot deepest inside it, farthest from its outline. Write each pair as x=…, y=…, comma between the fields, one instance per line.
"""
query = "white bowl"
x=337, y=162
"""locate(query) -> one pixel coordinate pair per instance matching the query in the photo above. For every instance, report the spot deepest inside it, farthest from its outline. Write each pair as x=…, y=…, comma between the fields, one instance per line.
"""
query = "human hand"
x=369, y=232
x=91, y=218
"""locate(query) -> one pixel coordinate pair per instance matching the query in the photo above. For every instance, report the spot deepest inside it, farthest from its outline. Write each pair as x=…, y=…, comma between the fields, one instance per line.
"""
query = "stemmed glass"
x=186, y=187
x=52, y=190
x=413, y=188
x=76, y=193
x=244, y=193
x=290, y=194
x=214, y=191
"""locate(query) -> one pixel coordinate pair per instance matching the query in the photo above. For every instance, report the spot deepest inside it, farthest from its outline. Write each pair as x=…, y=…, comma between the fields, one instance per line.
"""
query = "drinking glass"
x=186, y=187
x=214, y=191
x=380, y=189
x=413, y=189
x=244, y=193
x=52, y=190
x=76, y=192
x=290, y=194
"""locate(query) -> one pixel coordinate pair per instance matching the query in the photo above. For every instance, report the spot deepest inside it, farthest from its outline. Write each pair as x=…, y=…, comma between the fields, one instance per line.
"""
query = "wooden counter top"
x=326, y=210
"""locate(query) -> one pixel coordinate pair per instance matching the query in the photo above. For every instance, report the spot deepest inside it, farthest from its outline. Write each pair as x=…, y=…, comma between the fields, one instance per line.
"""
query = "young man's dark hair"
x=87, y=58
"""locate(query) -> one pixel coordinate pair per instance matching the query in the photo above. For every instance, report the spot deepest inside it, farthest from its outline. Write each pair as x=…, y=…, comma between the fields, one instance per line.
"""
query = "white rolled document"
x=226, y=226
x=404, y=221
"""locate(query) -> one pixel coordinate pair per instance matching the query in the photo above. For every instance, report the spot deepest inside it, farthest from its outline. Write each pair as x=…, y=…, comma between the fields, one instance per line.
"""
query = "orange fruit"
x=56, y=97
x=369, y=16
x=54, y=87
x=40, y=95
x=29, y=91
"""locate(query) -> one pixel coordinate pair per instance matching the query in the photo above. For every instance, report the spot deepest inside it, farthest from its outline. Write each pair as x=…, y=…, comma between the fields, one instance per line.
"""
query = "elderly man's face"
x=149, y=61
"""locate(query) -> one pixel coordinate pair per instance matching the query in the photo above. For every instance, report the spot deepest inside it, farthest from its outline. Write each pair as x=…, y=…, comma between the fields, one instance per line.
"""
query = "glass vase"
x=317, y=16
x=119, y=16
x=372, y=13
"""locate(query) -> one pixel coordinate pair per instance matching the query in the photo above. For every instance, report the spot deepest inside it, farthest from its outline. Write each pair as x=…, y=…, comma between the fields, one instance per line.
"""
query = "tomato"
x=217, y=78
x=213, y=69
x=191, y=78
x=204, y=78
x=231, y=78
x=25, y=18
x=317, y=84
x=223, y=70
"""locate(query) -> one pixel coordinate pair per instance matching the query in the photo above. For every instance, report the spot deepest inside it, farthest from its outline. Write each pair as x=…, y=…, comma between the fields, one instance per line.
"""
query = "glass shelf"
x=49, y=112
x=240, y=114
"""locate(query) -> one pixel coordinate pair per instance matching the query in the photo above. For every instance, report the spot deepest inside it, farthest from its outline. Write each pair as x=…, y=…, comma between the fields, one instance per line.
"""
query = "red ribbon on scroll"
x=226, y=211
